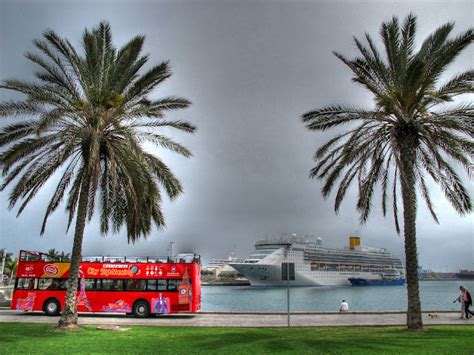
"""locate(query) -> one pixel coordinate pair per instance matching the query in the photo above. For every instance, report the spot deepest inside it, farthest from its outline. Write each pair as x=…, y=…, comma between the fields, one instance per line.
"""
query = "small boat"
x=356, y=281
x=220, y=265
x=389, y=279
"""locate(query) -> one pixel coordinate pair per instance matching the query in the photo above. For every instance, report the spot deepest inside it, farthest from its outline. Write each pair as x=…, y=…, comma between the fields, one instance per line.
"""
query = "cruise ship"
x=314, y=264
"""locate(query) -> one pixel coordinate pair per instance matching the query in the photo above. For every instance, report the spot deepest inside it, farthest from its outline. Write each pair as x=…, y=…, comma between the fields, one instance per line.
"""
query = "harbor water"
x=435, y=295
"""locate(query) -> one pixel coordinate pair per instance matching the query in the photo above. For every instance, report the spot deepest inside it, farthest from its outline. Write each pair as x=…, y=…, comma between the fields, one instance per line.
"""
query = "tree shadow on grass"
x=15, y=332
x=396, y=341
x=333, y=341
x=145, y=339
x=236, y=340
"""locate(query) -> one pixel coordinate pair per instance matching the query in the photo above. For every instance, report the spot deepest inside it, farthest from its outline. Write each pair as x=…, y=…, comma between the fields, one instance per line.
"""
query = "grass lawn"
x=43, y=338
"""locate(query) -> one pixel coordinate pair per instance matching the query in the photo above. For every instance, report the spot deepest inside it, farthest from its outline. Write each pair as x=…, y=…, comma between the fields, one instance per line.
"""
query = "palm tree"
x=4, y=255
x=10, y=267
x=90, y=115
x=53, y=253
x=5, y=258
x=64, y=256
x=56, y=255
x=406, y=137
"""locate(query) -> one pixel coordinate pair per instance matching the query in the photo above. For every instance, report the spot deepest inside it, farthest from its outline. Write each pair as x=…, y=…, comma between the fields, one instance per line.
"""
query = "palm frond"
x=88, y=113
x=405, y=124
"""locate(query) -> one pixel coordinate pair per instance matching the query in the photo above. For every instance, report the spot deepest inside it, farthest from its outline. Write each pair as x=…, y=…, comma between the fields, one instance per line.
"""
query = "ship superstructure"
x=315, y=265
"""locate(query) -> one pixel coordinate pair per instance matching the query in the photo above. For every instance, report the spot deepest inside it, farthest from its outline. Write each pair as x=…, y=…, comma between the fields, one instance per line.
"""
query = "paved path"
x=246, y=319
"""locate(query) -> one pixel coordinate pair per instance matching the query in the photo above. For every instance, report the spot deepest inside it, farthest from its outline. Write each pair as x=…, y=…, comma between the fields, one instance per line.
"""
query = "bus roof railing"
x=187, y=258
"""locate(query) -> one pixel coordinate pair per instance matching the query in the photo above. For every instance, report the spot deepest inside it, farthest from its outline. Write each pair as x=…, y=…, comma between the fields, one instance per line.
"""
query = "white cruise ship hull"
x=271, y=275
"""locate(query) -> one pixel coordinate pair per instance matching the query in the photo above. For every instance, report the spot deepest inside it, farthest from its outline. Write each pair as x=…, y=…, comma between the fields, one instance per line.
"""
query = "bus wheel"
x=141, y=309
x=52, y=307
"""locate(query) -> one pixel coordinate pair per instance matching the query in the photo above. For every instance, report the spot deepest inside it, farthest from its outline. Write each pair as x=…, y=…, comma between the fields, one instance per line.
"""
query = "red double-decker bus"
x=138, y=286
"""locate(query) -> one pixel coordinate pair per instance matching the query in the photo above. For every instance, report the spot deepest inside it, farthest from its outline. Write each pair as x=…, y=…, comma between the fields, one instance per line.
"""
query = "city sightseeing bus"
x=138, y=286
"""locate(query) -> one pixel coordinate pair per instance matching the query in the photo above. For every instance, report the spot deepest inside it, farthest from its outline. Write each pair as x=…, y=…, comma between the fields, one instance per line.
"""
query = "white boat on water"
x=314, y=264
x=222, y=265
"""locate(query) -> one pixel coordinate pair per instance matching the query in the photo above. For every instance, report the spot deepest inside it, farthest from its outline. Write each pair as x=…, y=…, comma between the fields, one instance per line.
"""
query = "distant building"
x=433, y=275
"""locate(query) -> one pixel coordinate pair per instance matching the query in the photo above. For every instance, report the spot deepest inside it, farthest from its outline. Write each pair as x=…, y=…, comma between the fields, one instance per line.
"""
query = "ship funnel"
x=354, y=243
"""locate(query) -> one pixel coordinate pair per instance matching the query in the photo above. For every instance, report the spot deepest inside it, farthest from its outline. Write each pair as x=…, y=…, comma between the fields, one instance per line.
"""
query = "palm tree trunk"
x=407, y=174
x=69, y=313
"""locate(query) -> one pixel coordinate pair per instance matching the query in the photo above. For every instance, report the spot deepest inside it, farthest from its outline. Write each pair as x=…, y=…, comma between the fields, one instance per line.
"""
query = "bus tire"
x=141, y=309
x=52, y=307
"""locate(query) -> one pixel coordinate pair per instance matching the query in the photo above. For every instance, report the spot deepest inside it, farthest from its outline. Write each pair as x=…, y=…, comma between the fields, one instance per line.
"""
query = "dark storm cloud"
x=251, y=68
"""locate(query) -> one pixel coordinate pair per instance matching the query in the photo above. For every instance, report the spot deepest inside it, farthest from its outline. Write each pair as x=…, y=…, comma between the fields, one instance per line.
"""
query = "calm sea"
x=435, y=295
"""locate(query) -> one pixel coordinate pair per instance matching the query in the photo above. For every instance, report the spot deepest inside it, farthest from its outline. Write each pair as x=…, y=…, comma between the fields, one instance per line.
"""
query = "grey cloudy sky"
x=251, y=68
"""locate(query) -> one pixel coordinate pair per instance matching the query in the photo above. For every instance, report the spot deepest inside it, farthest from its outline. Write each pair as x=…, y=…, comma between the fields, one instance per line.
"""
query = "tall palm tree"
x=90, y=115
x=406, y=137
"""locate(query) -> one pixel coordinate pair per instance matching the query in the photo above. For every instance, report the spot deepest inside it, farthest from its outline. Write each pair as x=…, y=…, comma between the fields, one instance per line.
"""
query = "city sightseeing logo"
x=51, y=270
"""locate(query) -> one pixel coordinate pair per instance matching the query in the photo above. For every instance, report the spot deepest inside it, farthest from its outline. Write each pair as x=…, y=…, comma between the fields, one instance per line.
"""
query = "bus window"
x=29, y=256
x=112, y=285
x=161, y=285
x=25, y=284
x=151, y=285
x=135, y=285
x=117, y=285
x=92, y=284
x=173, y=285
x=43, y=284
x=48, y=284
x=62, y=284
